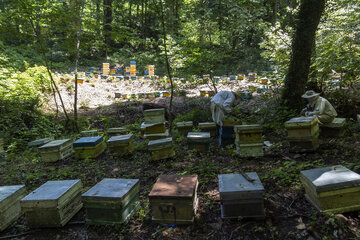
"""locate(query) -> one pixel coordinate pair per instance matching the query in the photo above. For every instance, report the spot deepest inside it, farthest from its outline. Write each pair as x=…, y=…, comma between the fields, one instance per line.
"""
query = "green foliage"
x=196, y=115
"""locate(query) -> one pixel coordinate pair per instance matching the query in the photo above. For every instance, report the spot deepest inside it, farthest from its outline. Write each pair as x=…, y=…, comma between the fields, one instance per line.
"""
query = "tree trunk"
x=308, y=19
x=107, y=25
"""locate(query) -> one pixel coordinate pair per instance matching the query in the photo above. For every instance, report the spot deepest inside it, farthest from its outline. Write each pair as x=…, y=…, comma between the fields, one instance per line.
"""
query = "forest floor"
x=288, y=214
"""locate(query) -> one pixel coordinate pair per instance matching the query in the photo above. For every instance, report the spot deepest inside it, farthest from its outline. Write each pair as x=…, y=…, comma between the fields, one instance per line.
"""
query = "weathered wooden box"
x=154, y=115
x=333, y=129
x=161, y=148
x=301, y=127
x=156, y=136
x=333, y=189
x=53, y=204
x=241, y=198
x=111, y=201
x=89, y=133
x=10, y=209
x=247, y=134
x=184, y=127
x=199, y=141
x=250, y=150
x=153, y=128
x=39, y=142
x=121, y=145
x=89, y=147
x=116, y=131
x=173, y=199
x=208, y=127
x=56, y=150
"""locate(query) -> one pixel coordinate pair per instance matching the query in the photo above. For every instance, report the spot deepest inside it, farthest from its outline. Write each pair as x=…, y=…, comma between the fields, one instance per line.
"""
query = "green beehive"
x=247, y=134
x=199, y=141
x=154, y=115
x=156, y=136
x=53, y=204
x=10, y=209
x=116, y=131
x=153, y=128
x=56, y=150
x=89, y=133
x=173, y=199
x=208, y=127
x=333, y=129
x=89, y=147
x=184, y=127
x=39, y=142
x=250, y=150
x=161, y=148
x=111, y=201
x=333, y=189
x=121, y=145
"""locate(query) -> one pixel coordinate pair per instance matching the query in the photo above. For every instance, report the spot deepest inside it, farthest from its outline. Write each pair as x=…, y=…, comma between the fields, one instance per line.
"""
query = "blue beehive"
x=90, y=147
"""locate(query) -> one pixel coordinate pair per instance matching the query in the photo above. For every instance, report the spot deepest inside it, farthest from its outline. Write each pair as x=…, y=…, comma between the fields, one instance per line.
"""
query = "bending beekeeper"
x=319, y=107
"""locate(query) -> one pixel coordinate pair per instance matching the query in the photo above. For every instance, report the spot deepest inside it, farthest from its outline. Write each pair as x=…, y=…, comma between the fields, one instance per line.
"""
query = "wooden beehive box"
x=56, y=150
x=10, y=209
x=302, y=127
x=153, y=128
x=89, y=133
x=154, y=115
x=156, y=136
x=116, y=131
x=53, y=204
x=247, y=134
x=208, y=127
x=161, y=148
x=39, y=142
x=111, y=201
x=241, y=198
x=333, y=129
x=250, y=150
x=121, y=145
x=199, y=141
x=184, y=127
x=88, y=147
x=333, y=189
x=173, y=199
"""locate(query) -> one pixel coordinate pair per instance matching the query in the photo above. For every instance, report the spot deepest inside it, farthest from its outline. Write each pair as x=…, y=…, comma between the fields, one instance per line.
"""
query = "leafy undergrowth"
x=288, y=214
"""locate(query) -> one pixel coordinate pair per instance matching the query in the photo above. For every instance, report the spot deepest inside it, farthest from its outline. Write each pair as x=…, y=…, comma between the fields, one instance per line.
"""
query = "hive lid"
x=89, y=131
x=146, y=125
x=175, y=186
x=8, y=194
x=247, y=127
x=88, y=141
x=110, y=189
x=184, y=124
x=49, y=195
x=120, y=139
x=156, y=111
x=160, y=143
x=300, y=121
x=160, y=135
x=207, y=124
x=235, y=186
x=55, y=144
x=40, y=142
x=116, y=130
x=330, y=178
x=199, y=136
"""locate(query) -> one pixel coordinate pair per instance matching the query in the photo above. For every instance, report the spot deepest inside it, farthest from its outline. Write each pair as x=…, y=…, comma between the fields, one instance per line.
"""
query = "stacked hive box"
x=303, y=134
x=89, y=133
x=121, y=145
x=173, y=199
x=39, y=142
x=53, y=204
x=111, y=201
x=10, y=209
x=248, y=140
x=56, y=150
x=333, y=129
x=154, y=125
x=184, y=127
x=106, y=69
x=208, y=127
x=199, y=141
x=116, y=131
x=161, y=148
x=88, y=147
x=240, y=197
x=332, y=189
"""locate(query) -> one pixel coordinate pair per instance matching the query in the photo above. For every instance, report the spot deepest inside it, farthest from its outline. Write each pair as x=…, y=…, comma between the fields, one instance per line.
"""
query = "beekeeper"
x=319, y=107
x=222, y=104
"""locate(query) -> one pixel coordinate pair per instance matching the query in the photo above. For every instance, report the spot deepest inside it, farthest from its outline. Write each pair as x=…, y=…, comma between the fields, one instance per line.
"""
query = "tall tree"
x=107, y=25
x=308, y=20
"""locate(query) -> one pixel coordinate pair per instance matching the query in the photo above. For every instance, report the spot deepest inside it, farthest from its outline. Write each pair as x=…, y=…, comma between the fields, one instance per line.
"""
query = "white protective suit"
x=220, y=104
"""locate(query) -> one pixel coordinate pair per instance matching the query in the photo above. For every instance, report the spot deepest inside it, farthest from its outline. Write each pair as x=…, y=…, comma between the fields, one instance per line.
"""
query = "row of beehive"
x=142, y=95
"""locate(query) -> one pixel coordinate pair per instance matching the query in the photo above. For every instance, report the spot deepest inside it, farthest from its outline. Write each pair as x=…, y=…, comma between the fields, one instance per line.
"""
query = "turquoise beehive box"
x=88, y=147
x=56, y=150
x=40, y=142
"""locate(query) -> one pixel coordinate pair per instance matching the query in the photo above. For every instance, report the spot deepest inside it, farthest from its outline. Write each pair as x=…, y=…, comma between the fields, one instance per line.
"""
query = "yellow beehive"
x=302, y=127
x=161, y=148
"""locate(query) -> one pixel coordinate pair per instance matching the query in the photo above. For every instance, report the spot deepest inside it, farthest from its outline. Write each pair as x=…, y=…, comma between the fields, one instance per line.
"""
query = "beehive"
x=208, y=127
x=173, y=199
x=53, y=204
x=154, y=115
x=248, y=140
x=184, y=127
x=56, y=150
x=89, y=133
x=88, y=147
x=165, y=94
x=203, y=93
x=161, y=148
x=111, y=201
x=303, y=133
x=241, y=198
x=252, y=76
x=333, y=189
x=10, y=209
x=116, y=131
x=156, y=136
x=246, y=95
x=106, y=69
x=252, y=88
x=199, y=141
x=121, y=145
x=152, y=128
x=39, y=142
x=333, y=129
